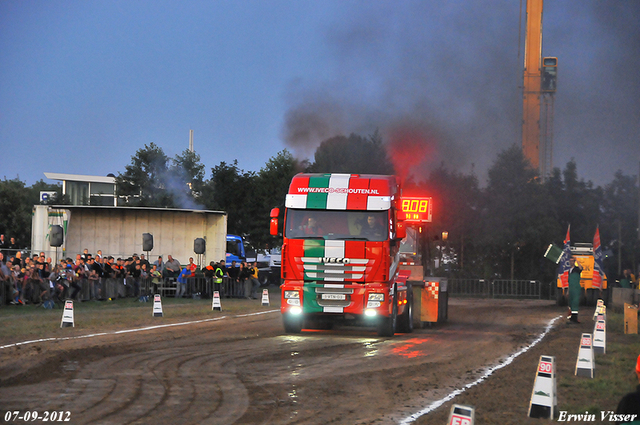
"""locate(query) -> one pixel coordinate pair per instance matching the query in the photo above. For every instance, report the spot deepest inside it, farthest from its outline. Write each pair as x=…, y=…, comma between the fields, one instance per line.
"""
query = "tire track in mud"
x=196, y=382
x=137, y=390
x=159, y=387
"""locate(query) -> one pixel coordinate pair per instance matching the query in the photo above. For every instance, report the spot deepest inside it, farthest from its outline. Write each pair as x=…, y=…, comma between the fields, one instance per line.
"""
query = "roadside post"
x=265, y=297
x=215, y=304
x=600, y=337
x=157, y=306
x=544, y=397
x=585, y=365
x=461, y=415
x=67, y=315
x=600, y=310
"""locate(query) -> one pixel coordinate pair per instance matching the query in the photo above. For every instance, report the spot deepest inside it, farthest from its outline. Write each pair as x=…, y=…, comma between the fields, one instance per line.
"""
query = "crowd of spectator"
x=40, y=281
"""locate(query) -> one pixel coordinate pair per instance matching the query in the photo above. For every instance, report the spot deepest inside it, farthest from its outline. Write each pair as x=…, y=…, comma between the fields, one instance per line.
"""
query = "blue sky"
x=84, y=84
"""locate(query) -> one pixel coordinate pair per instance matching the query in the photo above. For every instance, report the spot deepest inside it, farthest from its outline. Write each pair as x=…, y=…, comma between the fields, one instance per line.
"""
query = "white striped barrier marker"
x=585, y=365
x=157, y=306
x=67, y=315
x=544, y=397
x=600, y=309
x=600, y=337
x=215, y=304
x=265, y=297
x=461, y=415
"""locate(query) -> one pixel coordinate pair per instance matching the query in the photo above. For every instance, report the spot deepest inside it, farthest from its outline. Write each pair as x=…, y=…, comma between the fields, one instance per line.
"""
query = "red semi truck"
x=340, y=253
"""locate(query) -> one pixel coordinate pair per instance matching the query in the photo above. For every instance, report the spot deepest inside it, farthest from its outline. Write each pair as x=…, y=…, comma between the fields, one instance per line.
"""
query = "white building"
x=81, y=188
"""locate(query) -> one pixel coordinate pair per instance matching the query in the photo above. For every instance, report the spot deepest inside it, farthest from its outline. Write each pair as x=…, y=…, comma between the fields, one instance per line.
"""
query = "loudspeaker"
x=199, y=246
x=147, y=242
x=56, y=236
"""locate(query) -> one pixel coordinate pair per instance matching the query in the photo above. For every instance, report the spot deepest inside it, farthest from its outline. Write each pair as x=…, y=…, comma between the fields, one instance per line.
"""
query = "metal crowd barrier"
x=203, y=287
x=504, y=288
x=496, y=288
x=106, y=288
x=197, y=287
x=469, y=288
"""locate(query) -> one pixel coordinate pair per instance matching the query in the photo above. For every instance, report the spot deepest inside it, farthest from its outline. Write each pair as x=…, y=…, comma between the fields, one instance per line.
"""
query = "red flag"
x=598, y=268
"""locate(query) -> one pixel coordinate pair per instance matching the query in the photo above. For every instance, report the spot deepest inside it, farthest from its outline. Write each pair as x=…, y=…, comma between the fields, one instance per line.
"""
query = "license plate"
x=334, y=297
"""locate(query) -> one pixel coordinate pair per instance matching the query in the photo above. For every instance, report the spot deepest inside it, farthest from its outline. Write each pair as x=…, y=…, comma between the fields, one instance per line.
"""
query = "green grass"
x=23, y=323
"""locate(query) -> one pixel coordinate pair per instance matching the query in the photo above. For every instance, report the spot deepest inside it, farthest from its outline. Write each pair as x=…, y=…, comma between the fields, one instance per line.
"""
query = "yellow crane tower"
x=539, y=79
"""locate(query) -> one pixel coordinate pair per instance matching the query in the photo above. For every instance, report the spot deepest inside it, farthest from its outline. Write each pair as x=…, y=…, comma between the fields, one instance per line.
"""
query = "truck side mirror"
x=273, y=225
x=401, y=230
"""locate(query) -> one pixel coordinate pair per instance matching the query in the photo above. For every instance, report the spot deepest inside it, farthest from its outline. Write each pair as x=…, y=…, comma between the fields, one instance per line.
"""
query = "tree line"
x=500, y=230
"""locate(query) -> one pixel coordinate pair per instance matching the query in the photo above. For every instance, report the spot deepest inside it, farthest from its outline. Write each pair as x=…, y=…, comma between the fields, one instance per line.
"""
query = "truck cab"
x=340, y=253
x=235, y=250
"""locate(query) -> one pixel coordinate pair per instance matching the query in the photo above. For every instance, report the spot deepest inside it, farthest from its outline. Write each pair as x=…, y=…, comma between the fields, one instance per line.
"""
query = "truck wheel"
x=405, y=322
x=387, y=325
x=292, y=324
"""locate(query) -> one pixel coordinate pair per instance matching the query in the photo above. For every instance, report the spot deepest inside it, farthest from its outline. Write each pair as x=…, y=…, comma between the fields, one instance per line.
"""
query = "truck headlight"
x=291, y=294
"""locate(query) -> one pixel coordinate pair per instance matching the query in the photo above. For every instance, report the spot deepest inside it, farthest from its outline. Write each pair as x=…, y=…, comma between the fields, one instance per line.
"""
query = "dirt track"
x=245, y=370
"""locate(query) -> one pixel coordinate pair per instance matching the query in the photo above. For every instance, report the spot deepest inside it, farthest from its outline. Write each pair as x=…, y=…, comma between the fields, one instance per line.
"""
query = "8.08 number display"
x=415, y=210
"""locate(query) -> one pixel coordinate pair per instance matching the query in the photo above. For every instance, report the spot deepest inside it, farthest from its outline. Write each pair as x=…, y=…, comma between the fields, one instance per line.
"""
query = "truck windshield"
x=341, y=225
x=233, y=247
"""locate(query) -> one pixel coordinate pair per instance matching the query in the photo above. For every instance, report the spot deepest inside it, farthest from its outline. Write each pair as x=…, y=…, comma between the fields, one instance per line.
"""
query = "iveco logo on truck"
x=335, y=260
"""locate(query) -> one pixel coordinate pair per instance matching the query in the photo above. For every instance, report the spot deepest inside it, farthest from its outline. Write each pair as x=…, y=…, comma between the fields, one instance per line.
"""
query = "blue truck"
x=235, y=250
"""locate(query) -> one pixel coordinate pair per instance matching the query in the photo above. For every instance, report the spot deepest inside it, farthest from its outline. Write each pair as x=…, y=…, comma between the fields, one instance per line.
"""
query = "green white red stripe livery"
x=339, y=192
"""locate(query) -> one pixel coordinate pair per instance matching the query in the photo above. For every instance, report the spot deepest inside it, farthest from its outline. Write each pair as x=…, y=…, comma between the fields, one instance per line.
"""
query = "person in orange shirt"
x=192, y=267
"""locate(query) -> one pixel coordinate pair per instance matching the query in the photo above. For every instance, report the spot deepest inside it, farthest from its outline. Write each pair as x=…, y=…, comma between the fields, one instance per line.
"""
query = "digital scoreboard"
x=415, y=210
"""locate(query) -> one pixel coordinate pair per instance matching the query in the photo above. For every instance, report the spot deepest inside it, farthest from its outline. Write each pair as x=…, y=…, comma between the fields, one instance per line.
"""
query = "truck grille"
x=351, y=269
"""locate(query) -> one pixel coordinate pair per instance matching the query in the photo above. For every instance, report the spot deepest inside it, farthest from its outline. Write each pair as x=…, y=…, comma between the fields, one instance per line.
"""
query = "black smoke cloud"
x=453, y=70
